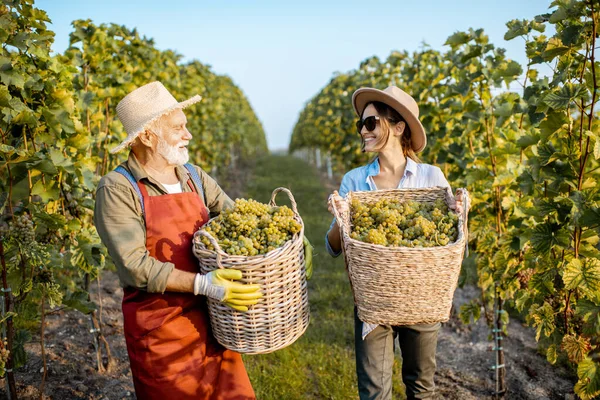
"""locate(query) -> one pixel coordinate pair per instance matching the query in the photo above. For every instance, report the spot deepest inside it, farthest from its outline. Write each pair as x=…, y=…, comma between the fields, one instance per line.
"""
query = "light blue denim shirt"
x=361, y=179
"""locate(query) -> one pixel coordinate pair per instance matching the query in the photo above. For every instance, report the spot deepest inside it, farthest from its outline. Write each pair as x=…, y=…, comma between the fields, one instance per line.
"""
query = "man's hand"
x=308, y=253
x=219, y=285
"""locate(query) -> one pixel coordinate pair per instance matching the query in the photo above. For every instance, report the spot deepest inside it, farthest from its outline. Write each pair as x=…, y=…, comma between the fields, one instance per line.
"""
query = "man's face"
x=174, y=138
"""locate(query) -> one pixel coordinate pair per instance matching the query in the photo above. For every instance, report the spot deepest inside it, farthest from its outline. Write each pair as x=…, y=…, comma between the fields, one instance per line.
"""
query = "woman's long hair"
x=388, y=118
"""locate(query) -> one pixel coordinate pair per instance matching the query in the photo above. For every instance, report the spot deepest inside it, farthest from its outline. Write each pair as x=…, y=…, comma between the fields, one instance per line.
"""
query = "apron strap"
x=121, y=170
x=190, y=168
x=196, y=179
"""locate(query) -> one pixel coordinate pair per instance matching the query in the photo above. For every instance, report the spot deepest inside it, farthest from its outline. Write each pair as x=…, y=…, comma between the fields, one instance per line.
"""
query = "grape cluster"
x=23, y=230
x=3, y=230
x=251, y=228
x=409, y=224
x=4, y=354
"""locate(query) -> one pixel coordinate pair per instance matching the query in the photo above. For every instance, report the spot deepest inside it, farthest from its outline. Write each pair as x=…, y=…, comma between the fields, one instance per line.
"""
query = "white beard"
x=173, y=154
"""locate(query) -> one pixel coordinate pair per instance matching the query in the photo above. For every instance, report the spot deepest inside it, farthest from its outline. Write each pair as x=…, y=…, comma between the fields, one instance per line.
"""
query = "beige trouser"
x=375, y=358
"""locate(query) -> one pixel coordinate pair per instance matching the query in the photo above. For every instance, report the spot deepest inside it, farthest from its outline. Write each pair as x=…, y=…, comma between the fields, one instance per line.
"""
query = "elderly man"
x=147, y=211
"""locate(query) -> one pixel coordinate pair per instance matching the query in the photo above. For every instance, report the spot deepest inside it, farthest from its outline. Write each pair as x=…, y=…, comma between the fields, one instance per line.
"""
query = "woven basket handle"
x=213, y=242
x=338, y=216
x=466, y=200
x=290, y=195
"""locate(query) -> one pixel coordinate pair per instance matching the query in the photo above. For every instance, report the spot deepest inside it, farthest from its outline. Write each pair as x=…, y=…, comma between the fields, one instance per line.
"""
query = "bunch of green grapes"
x=251, y=228
x=22, y=230
x=4, y=355
x=409, y=224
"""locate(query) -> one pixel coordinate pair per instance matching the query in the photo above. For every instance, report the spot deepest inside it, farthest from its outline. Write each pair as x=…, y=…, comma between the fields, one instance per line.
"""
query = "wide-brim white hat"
x=145, y=105
x=400, y=101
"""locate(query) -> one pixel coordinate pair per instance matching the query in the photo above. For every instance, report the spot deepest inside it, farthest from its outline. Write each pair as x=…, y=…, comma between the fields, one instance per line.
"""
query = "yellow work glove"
x=220, y=285
x=308, y=257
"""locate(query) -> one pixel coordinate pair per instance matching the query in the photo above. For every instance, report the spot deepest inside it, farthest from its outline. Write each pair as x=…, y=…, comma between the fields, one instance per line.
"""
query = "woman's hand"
x=340, y=204
x=455, y=203
x=459, y=200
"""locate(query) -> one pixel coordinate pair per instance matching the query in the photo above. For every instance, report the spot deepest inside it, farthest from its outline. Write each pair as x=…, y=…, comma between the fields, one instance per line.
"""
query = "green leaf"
x=576, y=347
x=457, y=39
x=587, y=309
x=79, y=301
x=47, y=192
x=588, y=386
x=589, y=312
x=5, y=96
x=571, y=34
x=46, y=167
x=6, y=149
x=8, y=315
x=583, y=275
x=528, y=140
x=19, y=354
x=547, y=153
x=12, y=78
x=563, y=97
x=516, y=28
x=474, y=175
x=504, y=179
x=470, y=311
x=513, y=69
x=50, y=221
x=590, y=217
x=545, y=236
x=521, y=300
x=87, y=177
x=554, y=48
x=543, y=320
x=526, y=182
x=59, y=159
x=551, y=354
x=558, y=15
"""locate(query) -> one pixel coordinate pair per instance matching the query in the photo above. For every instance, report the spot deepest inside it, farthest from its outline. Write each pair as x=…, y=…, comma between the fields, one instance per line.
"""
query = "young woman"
x=389, y=126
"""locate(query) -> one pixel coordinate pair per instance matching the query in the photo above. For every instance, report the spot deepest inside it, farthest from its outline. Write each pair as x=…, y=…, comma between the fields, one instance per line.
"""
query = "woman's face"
x=377, y=139
x=373, y=140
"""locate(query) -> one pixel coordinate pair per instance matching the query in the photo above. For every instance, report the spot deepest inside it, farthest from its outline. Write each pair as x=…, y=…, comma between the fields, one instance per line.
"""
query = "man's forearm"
x=180, y=281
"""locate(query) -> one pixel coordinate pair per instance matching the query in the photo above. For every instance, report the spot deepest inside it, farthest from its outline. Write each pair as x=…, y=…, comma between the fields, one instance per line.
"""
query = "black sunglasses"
x=370, y=123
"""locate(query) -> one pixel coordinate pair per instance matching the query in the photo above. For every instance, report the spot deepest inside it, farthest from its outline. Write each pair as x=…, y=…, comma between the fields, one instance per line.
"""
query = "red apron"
x=172, y=351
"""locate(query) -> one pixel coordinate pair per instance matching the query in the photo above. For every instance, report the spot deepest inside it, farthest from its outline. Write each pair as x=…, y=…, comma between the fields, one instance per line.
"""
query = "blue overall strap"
x=133, y=182
x=196, y=178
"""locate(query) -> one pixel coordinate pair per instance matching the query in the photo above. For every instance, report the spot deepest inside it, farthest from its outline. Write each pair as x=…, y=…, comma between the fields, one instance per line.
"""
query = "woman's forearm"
x=333, y=236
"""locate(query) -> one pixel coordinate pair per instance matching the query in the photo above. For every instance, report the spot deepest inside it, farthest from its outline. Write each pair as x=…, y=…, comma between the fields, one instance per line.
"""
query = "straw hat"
x=145, y=105
x=400, y=101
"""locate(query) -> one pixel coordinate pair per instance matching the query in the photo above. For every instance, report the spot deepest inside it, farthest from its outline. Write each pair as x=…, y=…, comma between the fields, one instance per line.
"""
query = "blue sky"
x=281, y=53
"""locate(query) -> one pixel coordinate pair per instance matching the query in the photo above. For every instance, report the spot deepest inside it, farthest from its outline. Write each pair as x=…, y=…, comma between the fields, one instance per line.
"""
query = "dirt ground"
x=464, y=357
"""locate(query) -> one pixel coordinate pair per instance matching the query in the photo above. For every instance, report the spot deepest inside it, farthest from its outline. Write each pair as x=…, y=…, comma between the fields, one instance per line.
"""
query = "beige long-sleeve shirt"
x=121, y=226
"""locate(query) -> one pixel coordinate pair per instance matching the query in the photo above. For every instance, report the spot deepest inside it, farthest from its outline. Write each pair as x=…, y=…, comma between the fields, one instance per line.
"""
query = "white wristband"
x=203, y=286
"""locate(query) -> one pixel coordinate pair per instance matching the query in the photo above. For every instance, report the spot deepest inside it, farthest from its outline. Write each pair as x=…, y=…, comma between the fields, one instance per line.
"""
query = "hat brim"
x=132, y=136
x=364, y=96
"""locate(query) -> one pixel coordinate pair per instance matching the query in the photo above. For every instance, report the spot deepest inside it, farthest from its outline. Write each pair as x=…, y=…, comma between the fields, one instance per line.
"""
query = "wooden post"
x=318, y=157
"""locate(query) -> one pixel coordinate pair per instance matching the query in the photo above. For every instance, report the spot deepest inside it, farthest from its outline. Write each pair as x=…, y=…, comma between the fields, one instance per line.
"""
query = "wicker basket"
x=282, y=314
x=402, y=285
